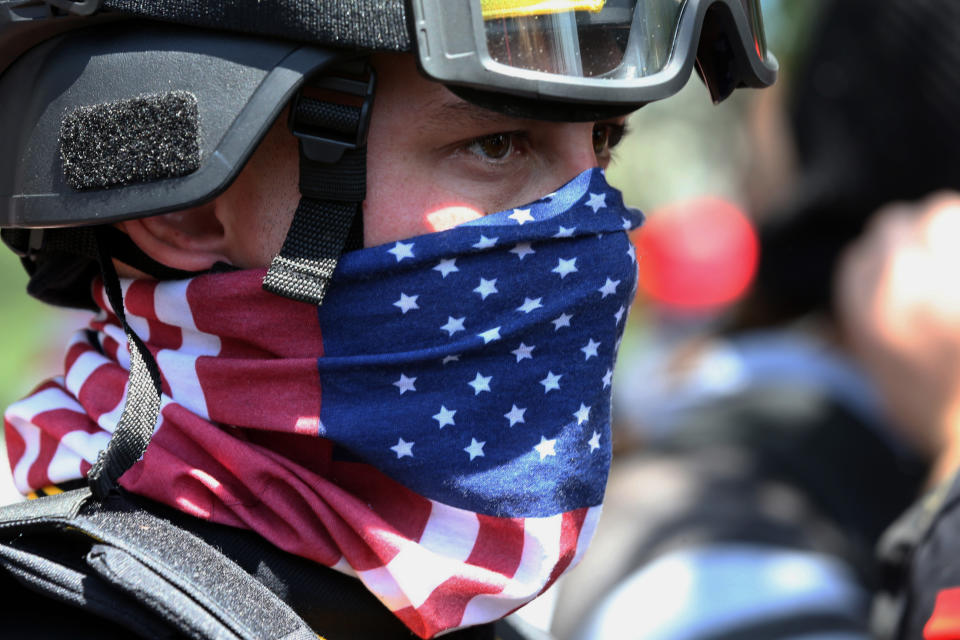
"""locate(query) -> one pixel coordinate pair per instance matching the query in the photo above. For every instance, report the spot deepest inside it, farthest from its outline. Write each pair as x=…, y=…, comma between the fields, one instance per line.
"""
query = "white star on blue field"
x=474, y=365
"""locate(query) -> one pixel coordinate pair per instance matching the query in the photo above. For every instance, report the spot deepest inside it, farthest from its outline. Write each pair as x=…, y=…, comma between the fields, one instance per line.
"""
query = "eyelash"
x=614, y=133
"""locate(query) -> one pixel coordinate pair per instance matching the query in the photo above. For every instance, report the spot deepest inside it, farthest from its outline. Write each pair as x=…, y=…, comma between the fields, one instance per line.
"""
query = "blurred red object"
x=696, y=255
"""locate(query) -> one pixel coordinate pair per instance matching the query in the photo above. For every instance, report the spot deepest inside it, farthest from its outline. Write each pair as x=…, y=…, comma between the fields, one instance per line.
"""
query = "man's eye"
x=607, y=135
x=493, y=147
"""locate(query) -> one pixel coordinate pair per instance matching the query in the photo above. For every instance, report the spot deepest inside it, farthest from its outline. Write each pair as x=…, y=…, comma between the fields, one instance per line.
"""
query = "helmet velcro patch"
x=143, y=139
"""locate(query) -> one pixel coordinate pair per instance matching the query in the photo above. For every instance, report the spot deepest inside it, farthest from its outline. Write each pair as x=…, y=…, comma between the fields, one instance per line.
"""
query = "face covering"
x=439, y=428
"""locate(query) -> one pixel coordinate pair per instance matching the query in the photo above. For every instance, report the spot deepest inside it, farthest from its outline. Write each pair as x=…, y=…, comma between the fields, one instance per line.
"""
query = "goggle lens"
x=616, y=39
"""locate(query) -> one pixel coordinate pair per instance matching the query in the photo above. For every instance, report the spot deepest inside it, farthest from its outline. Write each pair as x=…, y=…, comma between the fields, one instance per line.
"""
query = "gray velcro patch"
x=138, y=140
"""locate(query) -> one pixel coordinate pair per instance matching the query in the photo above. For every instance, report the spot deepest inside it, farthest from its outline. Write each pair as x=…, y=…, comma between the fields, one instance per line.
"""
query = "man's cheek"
x=397, y=210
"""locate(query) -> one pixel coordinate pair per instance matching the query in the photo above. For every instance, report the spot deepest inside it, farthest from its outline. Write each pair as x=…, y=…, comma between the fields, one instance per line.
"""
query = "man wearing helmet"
x=374, y=335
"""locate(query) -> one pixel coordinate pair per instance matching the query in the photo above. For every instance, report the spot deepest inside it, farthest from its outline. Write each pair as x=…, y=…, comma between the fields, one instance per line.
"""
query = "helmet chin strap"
x=333, y=179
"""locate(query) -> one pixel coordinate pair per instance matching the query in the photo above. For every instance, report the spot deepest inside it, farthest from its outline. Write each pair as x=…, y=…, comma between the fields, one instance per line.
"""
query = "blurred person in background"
x=772, y=464
x=899, y=306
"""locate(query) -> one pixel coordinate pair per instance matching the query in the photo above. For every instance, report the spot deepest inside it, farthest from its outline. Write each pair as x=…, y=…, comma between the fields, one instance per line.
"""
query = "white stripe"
x=180, y=366
x=83, y=445
x=382, y=584
x=74, y=448
x=180, y=372
x=589, y=527
x=82, y=368
x=420, y=567
x=47, y=400
x=31, y=437
x=541, y=550
x=450, y=532
x=123, y=352
x=417, y=571
x=173, y=308
x=78, y=337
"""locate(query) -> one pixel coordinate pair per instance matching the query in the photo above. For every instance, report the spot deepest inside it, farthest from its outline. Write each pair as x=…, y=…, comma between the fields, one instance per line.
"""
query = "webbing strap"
x=142, y=405
x=303, y=268
x=333, y=178
x=376, y=25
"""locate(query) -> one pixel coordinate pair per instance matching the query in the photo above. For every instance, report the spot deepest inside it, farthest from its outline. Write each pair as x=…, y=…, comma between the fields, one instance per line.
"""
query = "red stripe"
x=47, y=384
x=37, y=475
x=110, y=347
x=245, y=484
x=100, y=299
x=410, y=617
x=406, y=511
x=499, y=544
x=102, y=391
x=16, y=446
x=446, y=604
x=268, y=394
x=251, y=329
x=59, y=422
x=141, y=301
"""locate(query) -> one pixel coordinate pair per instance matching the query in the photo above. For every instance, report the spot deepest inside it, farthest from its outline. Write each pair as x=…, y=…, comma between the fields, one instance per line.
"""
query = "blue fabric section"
x=502, y=322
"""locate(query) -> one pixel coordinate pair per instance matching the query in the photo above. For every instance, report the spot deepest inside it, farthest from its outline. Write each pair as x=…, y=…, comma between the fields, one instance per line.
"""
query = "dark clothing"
x=919, y=561
x=334, y=605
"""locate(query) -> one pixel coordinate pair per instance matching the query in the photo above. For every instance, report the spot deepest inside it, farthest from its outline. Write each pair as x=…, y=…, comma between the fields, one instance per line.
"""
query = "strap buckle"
x=325, y=142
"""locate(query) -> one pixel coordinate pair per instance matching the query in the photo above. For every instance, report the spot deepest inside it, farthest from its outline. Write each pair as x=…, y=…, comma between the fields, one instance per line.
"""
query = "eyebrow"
x=443, y=113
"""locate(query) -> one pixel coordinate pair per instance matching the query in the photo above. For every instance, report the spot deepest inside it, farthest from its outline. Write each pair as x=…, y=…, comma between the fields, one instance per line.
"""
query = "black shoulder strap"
x=138, y=570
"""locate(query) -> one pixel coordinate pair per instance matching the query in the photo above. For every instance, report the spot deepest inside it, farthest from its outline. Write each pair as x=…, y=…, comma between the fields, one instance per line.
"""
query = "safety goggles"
x=593, y=51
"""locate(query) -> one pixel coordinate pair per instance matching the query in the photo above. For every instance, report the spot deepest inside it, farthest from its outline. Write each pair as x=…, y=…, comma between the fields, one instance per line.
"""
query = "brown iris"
x=496, y=146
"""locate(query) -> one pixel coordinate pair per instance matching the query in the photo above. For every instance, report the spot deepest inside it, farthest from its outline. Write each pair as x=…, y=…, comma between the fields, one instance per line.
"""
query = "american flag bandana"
x=439, y=428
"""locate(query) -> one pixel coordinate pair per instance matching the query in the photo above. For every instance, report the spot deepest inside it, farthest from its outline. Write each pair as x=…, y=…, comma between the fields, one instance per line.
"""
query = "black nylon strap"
x=341, y=118
x=317, y=237
x=344, y=181
x=142, y=405
x=328, y=221
x=376, y=25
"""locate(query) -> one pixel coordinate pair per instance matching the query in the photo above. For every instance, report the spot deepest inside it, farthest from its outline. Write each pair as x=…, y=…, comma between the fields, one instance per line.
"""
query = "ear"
x=191, y=240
